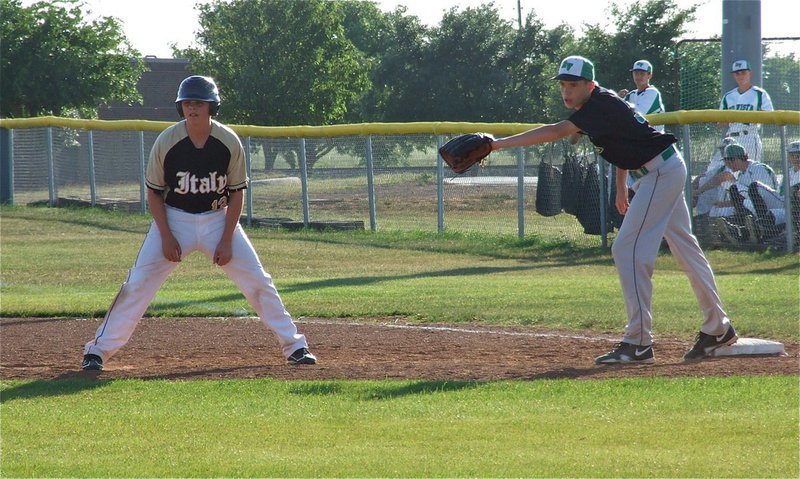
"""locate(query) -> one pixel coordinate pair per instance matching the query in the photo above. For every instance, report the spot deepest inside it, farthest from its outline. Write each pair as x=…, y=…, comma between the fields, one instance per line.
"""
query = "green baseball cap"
x=734, y=151
x=575, y=68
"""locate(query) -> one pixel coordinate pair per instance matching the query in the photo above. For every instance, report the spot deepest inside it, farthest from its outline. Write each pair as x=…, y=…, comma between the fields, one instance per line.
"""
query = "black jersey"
x=193, y=179
x=622, y=136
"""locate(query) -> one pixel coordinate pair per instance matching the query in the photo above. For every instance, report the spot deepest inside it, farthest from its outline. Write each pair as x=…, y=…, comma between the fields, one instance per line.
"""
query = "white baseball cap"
x=642, y=65
x=794, y=147
x=728, y=140
x=740, y=65
x=575, y=68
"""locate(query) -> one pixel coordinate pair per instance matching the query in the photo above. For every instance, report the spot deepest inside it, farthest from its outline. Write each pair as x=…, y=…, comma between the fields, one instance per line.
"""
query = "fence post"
x=602, y=175
x=248, y=191
x=142, y=188
x=787, y=197
x=687, y=158
x=304, y=181
x=373, y=219
x=6, y=166
x=521, y=193
x=51, y=169
x=439, y=186
x=92, y=177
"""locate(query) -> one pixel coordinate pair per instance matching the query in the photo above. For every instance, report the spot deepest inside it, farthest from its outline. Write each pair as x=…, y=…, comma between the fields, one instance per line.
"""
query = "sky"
x=152, y=25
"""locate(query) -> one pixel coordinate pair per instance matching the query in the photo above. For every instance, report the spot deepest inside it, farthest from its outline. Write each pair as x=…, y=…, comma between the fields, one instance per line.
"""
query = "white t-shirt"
x=646, y=102
x=756, y=172
x=754, y=99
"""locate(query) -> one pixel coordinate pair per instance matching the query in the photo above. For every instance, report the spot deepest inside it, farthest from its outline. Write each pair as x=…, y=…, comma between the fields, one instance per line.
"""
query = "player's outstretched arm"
x=536, y=136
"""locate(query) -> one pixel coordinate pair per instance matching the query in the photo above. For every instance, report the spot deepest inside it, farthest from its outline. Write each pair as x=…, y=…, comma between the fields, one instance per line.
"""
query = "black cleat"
x=704, y=344
x=626, y=353
x=92, y=362
x=302, y=356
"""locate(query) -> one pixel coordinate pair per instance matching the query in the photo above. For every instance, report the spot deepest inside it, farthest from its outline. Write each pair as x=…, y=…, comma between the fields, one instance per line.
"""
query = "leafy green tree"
x=280, y=62
x=394, y=51
x=646, y=30
x=465, y=67
x=781, y=79
x=698, y=65
x=54, y=62
x=534, y=55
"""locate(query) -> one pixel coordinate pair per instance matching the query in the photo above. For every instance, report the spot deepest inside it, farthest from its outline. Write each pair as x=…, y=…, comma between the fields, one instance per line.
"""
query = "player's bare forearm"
x=169, y=245
x=621, y=182
x=536, y=136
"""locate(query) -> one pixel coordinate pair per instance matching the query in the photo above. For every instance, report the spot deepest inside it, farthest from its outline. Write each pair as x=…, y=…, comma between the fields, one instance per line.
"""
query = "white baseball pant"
x=193, y=232
x=658, y=210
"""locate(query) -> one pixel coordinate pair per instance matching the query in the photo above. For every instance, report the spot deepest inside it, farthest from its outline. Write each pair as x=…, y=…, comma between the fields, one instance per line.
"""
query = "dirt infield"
x=213, y=348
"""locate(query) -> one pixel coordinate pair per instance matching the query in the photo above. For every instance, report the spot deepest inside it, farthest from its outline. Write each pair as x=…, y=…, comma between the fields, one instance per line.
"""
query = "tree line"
x=322, y=62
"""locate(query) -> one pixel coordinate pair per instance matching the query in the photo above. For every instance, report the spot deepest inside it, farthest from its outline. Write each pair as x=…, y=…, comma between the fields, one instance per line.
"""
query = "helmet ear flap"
x=179, y=108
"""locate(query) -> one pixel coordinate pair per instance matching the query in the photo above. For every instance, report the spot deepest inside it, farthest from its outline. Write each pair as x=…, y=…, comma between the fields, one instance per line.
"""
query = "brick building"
x=158, y=87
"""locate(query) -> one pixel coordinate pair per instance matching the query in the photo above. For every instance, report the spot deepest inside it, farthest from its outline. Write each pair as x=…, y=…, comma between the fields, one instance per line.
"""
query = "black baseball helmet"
x=200, y=88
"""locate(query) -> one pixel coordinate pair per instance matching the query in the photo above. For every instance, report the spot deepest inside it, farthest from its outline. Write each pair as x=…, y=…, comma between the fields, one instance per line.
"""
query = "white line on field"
x=453, y=329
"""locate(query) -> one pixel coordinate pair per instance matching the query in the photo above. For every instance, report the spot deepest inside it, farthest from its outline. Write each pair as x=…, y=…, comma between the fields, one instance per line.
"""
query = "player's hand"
x=726, y=176
x=623, y=92
x=223, y=253
x=171, y=249
x=621, y=200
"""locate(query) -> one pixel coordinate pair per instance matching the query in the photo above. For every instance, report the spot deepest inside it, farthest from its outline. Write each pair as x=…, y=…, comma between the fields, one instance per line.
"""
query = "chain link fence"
x=387, y=178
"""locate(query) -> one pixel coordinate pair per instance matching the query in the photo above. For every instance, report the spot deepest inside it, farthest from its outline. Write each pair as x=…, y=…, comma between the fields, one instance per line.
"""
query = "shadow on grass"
x=73, y=382
x=391, y=391
x=366, y=280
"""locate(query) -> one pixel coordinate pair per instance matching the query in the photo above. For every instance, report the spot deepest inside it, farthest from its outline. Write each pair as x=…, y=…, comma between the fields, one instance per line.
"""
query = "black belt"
x=737, y=133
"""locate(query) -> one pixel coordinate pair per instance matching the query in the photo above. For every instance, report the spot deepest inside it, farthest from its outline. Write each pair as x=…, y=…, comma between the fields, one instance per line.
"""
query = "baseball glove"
x=465, y=150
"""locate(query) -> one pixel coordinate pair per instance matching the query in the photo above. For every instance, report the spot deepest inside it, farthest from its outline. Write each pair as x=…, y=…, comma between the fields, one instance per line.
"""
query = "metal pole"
x=6, y=166
x=92, y=177
x=51, y=169
x=741, y=39
x=373, y=218
x=787, y=197
x=601, y=175
x=520, y=193
x=142, y=188
x=304, y=181
x=439, y=186
x=687, y=158
x=249, y=191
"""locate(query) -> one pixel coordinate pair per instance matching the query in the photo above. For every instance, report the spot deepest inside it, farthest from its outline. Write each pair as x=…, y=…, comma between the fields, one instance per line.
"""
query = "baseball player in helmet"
x=745, y=97
x=624, y=138
x=195, y=181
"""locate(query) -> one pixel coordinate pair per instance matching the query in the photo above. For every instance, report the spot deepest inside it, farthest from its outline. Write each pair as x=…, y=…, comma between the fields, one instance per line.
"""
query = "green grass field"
x=56, y=262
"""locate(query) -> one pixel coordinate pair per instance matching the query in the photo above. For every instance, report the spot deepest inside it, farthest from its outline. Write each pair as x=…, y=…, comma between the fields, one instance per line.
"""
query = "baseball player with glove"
x=625, y=139
x=195, y=182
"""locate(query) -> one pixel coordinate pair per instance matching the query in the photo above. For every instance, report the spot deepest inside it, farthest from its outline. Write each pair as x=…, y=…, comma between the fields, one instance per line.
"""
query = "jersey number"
x=220, y=203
